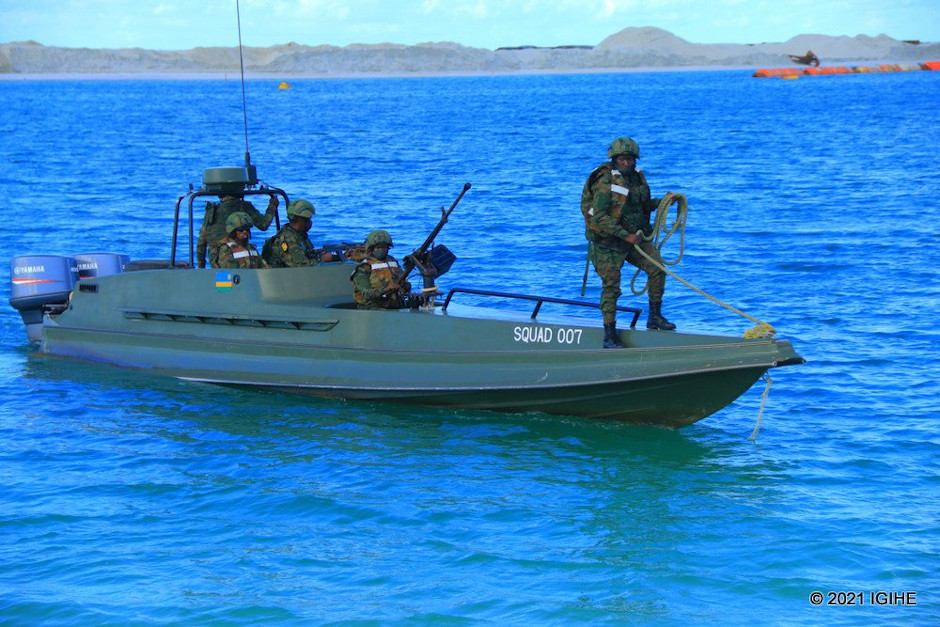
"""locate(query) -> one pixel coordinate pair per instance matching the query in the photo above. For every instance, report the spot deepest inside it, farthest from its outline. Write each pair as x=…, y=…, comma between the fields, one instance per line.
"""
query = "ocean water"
x=132, y=500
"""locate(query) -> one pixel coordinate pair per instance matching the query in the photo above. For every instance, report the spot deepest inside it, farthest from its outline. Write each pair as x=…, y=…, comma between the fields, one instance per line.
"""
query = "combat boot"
x=655, y=320
x=611, y=337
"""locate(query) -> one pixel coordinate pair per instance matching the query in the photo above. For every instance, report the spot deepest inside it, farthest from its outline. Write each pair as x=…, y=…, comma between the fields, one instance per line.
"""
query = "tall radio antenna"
x=241, y=63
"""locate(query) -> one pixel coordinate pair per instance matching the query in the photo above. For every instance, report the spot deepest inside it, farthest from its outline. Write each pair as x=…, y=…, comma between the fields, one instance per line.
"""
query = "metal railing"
x=264, y=190
x=539, y=300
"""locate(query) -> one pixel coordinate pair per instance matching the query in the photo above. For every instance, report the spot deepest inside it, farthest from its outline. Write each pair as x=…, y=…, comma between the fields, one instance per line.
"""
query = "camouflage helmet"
x=301, y=209
x=379, y=237
x=624, y=146
x=237, y=220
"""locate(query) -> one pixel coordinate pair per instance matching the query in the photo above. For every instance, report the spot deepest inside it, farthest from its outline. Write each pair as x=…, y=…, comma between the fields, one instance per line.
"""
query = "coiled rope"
x=762, y=330
x=661, y=235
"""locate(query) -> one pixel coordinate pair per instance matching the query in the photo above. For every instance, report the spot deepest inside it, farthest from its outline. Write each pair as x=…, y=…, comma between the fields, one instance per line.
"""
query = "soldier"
x=616, y=203
x=291, y=247
x=377, y=280
x=213, y=224
x=235, y=251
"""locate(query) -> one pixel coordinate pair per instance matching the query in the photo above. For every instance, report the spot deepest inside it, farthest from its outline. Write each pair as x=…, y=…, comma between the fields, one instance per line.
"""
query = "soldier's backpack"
x=267, y=253
x=587, y=196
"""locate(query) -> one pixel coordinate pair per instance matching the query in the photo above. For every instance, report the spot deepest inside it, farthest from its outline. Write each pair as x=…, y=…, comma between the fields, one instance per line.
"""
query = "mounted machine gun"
x=432, y=261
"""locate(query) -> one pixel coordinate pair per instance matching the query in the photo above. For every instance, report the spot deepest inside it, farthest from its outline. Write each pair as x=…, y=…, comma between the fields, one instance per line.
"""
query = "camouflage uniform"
x=616, y=205
x=370, y=279
x=373, y=275
x=357, y=253
x=290, y=249
x=231, y=254
x=213, y=224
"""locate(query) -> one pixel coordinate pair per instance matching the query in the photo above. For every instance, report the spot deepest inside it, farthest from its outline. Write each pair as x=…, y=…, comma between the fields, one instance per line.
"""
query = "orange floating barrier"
x=793, y=72
x=832, y=69
x=777, y=72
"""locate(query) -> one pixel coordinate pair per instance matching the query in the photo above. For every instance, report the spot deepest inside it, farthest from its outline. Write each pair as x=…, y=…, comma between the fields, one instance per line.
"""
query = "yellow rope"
x=662, y=215
x=762, y=330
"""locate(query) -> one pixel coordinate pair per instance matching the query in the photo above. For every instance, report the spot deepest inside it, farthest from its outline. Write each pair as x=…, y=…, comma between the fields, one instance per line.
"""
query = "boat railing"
x=539, y=300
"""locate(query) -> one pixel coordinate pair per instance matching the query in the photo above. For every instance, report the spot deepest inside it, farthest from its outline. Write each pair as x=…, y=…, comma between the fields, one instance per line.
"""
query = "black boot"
x=656, y=319
x=611, y=337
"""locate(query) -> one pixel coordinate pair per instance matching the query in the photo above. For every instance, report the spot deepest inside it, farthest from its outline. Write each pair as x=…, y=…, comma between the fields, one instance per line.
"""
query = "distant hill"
x=631, y=48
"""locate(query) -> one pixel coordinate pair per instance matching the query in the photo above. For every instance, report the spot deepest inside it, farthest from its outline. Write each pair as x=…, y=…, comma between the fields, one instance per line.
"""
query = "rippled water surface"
x=127, y=499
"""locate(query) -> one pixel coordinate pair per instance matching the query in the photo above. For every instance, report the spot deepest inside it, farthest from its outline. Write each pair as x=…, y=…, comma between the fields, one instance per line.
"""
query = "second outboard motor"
x=40, y=281
x=91, y=265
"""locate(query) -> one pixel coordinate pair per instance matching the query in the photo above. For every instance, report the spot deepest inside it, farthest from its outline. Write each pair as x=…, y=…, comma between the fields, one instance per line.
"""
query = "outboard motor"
x=40, y=281
x=91, y=265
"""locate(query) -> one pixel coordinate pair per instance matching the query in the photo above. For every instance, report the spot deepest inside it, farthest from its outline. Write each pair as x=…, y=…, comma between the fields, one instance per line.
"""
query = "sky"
x=185, y=24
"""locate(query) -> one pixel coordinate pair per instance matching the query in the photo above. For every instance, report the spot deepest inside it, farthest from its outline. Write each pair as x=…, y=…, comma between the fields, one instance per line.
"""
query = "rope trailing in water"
x=763, y=401
x=762, y=330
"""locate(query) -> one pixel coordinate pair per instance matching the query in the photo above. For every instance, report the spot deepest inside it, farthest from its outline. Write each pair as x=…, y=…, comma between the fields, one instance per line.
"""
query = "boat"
x=298, y=330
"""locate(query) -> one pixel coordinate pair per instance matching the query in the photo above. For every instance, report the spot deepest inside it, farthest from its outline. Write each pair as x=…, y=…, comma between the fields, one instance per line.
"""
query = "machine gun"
x=432, y=261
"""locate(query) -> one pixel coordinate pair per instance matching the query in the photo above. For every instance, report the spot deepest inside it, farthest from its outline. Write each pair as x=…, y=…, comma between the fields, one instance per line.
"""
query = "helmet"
x=379, y=237
x=237, y=220
x=300, y=208
x=624, y=146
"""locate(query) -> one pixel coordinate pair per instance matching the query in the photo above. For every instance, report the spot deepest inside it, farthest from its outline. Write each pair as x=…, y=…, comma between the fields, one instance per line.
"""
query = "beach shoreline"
x=633, y=50
x=250, y=76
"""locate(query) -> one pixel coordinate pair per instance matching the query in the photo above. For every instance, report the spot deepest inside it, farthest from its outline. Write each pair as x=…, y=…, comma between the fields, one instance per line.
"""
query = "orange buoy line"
x=795, y=72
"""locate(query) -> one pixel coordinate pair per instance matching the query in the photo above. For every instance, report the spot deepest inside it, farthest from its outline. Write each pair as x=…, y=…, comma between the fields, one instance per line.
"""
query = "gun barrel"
x=410, y=260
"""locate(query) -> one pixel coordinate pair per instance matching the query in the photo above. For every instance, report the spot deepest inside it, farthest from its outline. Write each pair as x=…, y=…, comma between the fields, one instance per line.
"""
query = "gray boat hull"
x=297, y=330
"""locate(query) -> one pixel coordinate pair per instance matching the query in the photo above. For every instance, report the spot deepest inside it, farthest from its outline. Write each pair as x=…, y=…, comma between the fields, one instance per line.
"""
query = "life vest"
x=381, y=273
x=244, y=257
x=627, y=208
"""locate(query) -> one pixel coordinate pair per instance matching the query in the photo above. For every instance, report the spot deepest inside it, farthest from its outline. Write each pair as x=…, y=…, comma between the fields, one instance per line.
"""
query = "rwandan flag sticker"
x=223, y=281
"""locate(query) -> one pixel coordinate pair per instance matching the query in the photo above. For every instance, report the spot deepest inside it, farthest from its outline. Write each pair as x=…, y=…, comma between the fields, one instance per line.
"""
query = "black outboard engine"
x=40, y=281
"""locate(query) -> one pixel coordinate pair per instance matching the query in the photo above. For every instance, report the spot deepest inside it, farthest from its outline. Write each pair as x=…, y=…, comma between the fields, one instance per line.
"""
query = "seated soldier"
x=377, y=281
x=291, y=247
x=235, y=251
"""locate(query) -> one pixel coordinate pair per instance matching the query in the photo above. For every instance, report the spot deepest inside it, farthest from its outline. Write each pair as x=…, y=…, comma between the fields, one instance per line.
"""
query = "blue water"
x=127, y=499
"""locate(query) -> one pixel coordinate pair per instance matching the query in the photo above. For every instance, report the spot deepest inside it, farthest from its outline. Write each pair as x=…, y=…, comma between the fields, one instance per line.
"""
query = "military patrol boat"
x=298, y=330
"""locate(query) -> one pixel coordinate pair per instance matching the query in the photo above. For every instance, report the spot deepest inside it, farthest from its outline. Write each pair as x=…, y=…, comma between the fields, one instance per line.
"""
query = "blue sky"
x=183, y=24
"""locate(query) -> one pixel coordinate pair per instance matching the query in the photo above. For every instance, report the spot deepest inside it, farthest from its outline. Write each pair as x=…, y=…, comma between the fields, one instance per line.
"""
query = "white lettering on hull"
x=546, y=335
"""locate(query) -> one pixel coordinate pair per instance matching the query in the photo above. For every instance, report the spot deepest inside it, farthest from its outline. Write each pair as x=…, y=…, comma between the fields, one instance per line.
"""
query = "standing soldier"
x=213, y=224
x=616, y=203
x=235, y=251
x=291, y=247
x=377, y=281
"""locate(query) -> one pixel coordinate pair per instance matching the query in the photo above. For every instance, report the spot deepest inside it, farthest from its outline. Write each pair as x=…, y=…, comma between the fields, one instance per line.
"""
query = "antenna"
x=252, y=172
